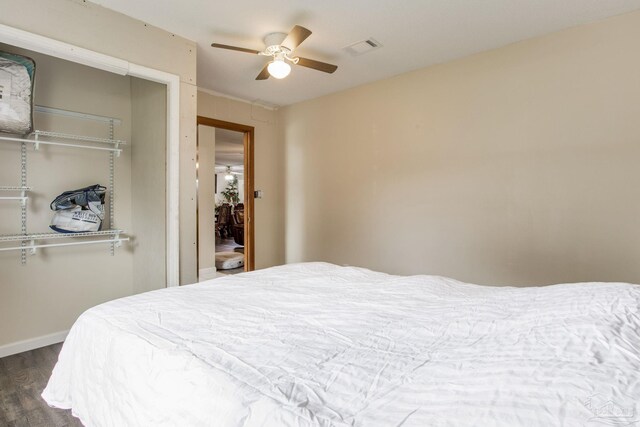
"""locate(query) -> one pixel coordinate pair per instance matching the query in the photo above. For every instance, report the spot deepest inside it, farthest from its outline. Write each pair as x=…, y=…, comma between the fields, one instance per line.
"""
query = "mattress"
x=315, y=344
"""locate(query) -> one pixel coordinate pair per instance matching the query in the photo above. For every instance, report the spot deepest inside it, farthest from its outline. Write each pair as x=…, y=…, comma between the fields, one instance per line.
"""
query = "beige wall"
x=515, y=166
x=206, y=197
x=93, y=27
x=269, y=170
x=148, y=184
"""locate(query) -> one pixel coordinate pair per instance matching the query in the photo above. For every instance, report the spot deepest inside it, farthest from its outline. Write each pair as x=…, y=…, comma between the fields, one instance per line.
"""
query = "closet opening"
x=103, y=129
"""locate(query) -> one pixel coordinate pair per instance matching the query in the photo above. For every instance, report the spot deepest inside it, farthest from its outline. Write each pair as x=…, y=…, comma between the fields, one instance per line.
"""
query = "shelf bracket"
x=32, y=247
x=36, y=142
x=117, y=242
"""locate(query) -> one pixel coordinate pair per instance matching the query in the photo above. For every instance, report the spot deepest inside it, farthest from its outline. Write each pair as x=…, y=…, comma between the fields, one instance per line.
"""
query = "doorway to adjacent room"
x=224, y=179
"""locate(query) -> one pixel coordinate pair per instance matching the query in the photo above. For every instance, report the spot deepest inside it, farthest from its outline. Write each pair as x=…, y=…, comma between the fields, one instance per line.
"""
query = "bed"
x=315, y=344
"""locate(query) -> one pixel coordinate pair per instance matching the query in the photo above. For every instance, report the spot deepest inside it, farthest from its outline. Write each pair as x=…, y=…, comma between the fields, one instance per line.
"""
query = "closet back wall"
x=57, y=284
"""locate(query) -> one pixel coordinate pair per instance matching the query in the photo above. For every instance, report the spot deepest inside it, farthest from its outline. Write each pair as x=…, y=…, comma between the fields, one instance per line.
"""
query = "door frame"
x=249, y=231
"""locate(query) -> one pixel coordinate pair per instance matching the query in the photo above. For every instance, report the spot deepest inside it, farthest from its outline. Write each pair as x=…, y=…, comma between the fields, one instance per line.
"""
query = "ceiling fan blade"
x=296, y=36
x=239, y=49
x=264, y=74
x=317, y=65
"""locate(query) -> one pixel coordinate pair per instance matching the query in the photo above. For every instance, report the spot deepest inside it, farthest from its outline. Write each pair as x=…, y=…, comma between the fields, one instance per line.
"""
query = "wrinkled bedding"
x=315, y=344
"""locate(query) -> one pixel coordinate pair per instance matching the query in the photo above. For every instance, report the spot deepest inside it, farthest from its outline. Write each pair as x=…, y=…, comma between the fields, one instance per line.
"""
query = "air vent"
x=361, y=47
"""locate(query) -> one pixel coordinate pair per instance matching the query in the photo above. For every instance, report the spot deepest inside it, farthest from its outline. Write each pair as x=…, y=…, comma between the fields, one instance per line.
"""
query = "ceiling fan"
x=229, y=172
x=280, y=47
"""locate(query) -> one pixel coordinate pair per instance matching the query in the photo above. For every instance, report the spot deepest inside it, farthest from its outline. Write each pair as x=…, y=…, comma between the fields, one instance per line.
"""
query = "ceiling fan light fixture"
x=229, y=175
x=278, y=68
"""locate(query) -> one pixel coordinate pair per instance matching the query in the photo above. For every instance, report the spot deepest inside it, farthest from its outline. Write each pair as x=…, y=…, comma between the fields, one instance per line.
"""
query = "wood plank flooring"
x=22, y=378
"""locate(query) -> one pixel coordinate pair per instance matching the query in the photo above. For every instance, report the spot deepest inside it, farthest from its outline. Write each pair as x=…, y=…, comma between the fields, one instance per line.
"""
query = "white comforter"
x=321, y=345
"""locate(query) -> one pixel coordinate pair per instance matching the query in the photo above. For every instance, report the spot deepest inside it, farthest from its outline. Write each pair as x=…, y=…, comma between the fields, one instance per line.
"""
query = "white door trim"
x=45, y=45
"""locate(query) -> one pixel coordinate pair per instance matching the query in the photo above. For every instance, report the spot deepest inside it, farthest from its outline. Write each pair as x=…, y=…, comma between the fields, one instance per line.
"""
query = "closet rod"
x=42, y=236
x=85, y=138
x=32, y=248
x=13, y=188
x=63, y=144
x=75, y=114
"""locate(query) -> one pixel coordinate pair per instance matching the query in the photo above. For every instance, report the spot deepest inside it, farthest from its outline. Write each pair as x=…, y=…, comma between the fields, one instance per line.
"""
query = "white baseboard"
x=206, y=274
x=33, y=343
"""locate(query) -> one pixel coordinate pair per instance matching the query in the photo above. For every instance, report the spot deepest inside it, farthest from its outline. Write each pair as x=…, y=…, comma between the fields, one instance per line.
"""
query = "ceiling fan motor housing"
x=273, y=42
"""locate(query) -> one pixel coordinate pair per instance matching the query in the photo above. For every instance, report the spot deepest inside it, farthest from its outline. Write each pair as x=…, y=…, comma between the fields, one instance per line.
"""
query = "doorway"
x=225, y=198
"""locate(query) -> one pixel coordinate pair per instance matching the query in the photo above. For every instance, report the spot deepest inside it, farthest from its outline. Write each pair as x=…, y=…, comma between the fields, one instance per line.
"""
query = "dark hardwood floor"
x=22, y=378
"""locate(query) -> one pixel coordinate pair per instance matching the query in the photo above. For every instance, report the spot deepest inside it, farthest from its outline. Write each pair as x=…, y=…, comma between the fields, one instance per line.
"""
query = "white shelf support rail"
x=23, y=208
x=111, y=189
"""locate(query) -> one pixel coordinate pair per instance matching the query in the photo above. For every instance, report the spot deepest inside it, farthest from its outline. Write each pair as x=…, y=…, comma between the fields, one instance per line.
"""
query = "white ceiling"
x=414, y=34
x=230, y=149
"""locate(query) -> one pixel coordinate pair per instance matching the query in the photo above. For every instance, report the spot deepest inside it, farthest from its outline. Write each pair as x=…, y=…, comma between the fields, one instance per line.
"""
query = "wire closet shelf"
x=40, y=137
x=30, y=242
